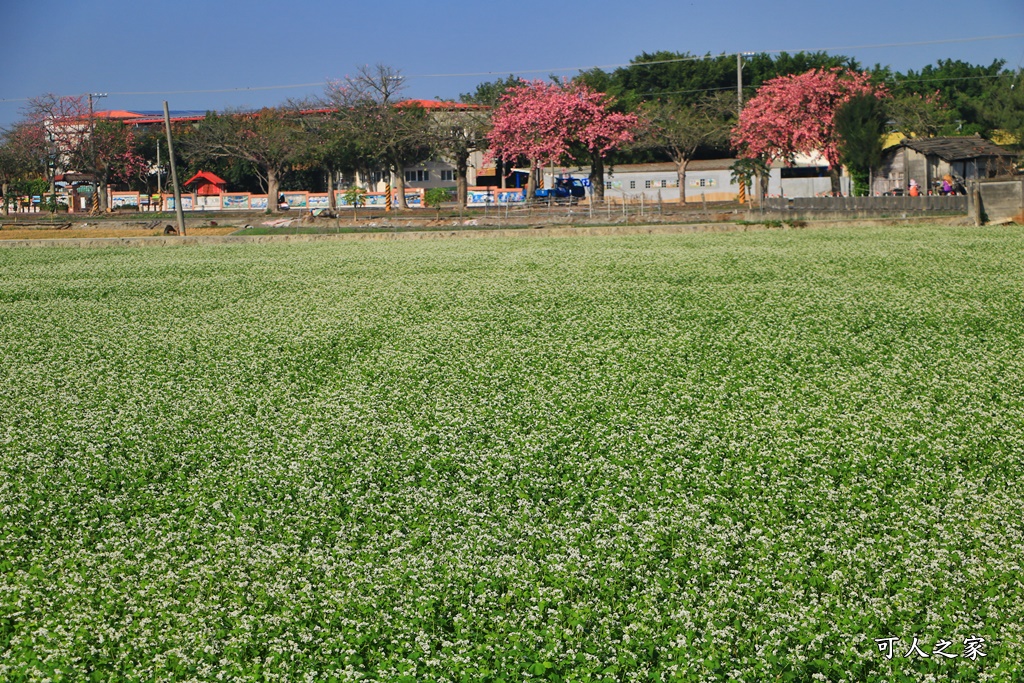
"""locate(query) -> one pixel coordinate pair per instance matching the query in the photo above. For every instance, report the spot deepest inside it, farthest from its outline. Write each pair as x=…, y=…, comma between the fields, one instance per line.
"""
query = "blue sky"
x=238, y=50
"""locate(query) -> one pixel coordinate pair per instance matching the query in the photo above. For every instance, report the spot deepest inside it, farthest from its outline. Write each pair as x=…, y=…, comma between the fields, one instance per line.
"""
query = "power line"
x=913, y=44
x=190, y=92
x=558, y=69
x=696, y=58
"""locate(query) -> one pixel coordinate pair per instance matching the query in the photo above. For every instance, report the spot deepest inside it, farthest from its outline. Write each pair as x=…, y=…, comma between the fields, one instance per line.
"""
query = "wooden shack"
x=927, y=160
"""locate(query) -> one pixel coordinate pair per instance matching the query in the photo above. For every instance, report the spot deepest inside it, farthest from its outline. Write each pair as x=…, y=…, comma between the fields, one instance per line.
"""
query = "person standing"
x=947, y=184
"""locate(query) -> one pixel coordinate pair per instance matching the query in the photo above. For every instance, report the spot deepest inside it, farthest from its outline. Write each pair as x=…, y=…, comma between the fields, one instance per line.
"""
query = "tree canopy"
x=792, y=115
x=270, y=139
x=859, y=125
x=555, y=123
x=389, y=134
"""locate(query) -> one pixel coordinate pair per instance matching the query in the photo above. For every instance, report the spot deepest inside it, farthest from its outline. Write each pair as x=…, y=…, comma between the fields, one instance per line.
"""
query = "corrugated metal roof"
x=956, y=148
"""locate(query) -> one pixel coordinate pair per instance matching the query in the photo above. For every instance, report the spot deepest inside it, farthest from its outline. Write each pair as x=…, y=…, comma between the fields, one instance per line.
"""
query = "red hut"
x=207, y=183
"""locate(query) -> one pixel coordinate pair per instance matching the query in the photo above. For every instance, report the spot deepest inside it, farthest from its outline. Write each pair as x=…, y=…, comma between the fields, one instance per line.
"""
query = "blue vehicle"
x=566, y=190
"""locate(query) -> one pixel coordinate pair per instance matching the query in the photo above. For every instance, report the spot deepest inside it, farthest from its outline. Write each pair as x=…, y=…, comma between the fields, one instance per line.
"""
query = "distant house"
x=706, y=180
x=207, y=183
x=927, y=160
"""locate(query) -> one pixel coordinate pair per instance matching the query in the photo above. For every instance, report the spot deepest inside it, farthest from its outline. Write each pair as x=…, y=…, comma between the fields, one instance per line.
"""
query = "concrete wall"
x=1001, y=199
x=804, y=187
x=916, y=168
x=952, y=204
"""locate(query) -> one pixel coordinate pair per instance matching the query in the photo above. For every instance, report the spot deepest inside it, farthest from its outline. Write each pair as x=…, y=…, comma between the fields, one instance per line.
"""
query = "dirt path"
x=13, y=233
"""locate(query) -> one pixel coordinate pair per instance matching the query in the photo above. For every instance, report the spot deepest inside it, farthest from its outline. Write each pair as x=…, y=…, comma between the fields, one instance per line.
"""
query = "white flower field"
x=709, y=457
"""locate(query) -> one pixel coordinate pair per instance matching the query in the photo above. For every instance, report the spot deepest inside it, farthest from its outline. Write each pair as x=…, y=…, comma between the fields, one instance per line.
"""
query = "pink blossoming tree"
x=557, y=123
x=795, y=114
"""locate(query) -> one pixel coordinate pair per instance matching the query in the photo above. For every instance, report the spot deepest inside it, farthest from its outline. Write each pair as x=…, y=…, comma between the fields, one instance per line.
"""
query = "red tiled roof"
x=208, y=177
x=438, y=104
x=134, y=118
x=116, y=114
x=146, y=120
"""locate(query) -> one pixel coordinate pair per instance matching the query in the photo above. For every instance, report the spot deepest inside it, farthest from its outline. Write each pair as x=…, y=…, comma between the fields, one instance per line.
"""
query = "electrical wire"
x=558, y=69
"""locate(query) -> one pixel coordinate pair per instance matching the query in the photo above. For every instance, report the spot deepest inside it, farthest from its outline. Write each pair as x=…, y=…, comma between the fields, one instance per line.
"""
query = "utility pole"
x=158, y=186
x=92, y=152
x=739, y=83
x=739, y=80
x=178, y=212
x=742, y=196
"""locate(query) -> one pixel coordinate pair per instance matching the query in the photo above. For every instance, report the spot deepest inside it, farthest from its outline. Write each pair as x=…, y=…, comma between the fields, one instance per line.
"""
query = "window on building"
x=448, y=176
x=632, y=184
x=420, y=176
x=664, y=183
x=608, y=185
x=647, y=184
x=804, y=172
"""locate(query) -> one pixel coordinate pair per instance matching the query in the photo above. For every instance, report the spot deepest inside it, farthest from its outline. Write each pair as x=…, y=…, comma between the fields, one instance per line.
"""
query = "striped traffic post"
x=387, y=197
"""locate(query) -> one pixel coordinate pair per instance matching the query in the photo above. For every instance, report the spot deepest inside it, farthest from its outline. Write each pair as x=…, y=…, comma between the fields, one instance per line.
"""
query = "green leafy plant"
x=435, y=197
x=355, y=197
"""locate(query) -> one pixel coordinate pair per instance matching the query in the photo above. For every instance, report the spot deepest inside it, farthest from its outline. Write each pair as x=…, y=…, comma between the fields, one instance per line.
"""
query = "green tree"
x=270, y=139
x=746, y=169
x=332, y=146
x=435, y=197
x=1004, y=110
x=966, y=92
x=489, y=94
x=390, y=134
x=688, y=78
x=355, y=197
x=917, y=115
x=679, y=130
x=23, y=157
x=456, y=133
x=859, y=124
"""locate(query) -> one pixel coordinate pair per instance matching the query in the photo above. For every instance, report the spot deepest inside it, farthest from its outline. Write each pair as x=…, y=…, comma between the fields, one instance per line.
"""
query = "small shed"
x=927, y=160
x=207, y=183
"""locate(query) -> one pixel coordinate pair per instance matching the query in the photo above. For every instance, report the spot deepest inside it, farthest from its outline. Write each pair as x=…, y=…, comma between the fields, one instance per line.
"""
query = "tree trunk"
x=681, y=165
x=833, y=174
x=597, y=177
x=531, y=182
x=332, y=202
x=272, y=190
x=400, y=186
x=3, y=189
x=461, y=185
x=102, y=189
